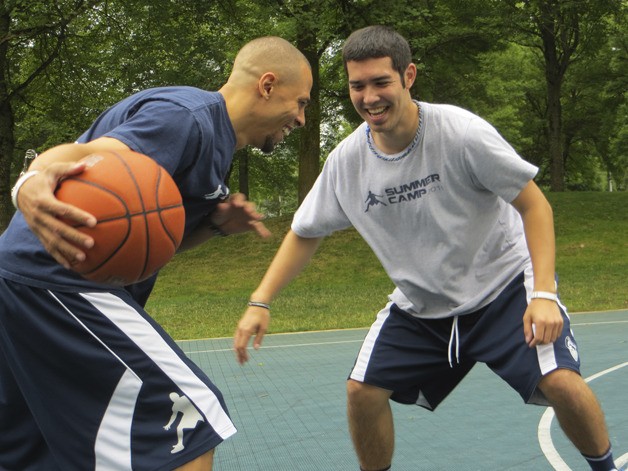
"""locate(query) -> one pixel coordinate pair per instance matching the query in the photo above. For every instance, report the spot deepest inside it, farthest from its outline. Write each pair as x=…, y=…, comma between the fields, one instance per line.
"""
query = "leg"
x=577, y=410
x=22, y=445
x=179, y=445
x=370, y=424
x=202, y=463
x=407, y=358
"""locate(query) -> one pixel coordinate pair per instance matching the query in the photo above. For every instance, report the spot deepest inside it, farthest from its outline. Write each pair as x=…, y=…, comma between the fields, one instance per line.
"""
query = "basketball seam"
x=126, y=216
x=161, y=210
x=143, y=205
x=160, y=218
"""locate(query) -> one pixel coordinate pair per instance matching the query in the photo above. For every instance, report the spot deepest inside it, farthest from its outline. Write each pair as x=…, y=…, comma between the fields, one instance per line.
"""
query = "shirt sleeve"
x=493, y=163
x=321, y=213
x=163, y=131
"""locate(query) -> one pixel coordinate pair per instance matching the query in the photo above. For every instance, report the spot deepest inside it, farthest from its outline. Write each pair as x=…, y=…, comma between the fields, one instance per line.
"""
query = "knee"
x=204, y=462
x=561, y=384
x=362, y=393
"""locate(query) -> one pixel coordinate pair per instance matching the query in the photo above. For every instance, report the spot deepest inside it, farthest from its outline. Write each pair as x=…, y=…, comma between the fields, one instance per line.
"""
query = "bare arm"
x=42, y=210
x=538, y=223
x=293, y=255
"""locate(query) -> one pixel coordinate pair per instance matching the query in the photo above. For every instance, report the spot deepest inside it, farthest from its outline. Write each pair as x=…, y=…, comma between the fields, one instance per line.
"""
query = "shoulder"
x=445, y=113
x=189, y=98
x=350, y=147
x=456, y=123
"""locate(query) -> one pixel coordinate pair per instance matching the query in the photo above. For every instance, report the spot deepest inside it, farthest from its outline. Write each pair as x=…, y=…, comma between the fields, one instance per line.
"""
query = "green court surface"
x=288, y=404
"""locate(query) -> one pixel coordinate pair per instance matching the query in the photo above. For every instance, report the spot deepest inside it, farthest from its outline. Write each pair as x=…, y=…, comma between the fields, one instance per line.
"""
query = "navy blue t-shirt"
x=186, y=130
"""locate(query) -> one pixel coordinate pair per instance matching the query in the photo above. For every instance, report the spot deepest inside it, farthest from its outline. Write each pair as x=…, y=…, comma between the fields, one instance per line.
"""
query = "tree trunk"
x=7, y=146
x=555, y=142
x=560, y=32
x=309, y=143
x=243, y=176
x=7, y=139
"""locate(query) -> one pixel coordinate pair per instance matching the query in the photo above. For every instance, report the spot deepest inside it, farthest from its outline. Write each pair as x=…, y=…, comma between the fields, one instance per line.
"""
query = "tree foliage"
x=550, y=75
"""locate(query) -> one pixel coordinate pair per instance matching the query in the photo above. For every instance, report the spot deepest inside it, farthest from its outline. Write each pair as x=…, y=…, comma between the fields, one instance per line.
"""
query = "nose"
x=370, y=96
x=300, y=120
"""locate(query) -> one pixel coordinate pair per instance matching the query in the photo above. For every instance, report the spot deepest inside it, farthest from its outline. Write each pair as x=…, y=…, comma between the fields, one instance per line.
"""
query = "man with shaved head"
x=270, y=82
x=87, y=379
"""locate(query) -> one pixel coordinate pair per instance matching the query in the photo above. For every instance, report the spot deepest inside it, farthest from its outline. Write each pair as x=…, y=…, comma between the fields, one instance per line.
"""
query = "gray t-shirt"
x=438, y=218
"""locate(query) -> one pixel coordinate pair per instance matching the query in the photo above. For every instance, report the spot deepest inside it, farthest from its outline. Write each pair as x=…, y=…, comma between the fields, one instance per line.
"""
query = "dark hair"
x=374, y=42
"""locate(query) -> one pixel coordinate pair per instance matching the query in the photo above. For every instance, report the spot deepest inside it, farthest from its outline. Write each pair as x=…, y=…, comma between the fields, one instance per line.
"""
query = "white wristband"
x=18, y=184
x=544, y=295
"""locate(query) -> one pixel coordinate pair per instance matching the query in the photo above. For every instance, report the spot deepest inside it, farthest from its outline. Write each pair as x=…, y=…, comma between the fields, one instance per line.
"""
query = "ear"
x=266, y=84
x=410, y=75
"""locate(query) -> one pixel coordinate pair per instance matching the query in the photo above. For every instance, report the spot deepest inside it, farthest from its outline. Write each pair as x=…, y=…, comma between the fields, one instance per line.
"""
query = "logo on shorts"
x=220, y=194
x=190, y=416
x=571, y=346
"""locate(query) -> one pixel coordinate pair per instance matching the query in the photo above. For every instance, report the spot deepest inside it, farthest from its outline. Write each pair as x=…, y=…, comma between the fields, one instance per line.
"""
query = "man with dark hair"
x=468, y=240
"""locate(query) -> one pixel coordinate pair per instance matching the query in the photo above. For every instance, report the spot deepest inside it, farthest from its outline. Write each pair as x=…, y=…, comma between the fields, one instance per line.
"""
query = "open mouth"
x=377, y=112
x=286, y=130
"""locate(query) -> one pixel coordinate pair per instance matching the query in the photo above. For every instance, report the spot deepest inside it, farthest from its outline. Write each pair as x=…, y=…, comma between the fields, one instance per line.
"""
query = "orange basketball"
x=139, y=212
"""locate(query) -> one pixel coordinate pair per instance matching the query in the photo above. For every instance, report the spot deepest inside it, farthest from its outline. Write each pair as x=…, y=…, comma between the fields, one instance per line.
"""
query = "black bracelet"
x=258, y=304
x=217, y=231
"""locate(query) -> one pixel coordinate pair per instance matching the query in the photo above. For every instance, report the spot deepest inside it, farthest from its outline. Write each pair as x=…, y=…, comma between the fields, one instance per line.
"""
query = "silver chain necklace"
x=408, y=150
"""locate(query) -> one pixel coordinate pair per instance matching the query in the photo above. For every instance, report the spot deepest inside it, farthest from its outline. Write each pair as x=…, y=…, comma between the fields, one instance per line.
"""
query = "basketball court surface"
x=288, y=403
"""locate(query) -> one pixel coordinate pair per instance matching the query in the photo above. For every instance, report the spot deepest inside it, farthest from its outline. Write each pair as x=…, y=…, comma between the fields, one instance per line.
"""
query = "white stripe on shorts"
x=544, y=353
x=359, y=370
x=142, y=333
x=113, y=441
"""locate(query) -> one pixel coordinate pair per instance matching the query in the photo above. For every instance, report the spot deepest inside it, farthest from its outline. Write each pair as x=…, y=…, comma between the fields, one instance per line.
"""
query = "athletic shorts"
x=422, y=360
x=90, y=381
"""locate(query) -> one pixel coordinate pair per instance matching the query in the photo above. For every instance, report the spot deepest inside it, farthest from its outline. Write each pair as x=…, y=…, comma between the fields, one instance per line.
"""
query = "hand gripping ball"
x=139, y=212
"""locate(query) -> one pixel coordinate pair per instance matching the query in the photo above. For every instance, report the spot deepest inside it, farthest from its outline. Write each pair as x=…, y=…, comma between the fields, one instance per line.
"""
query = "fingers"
x=249, y=208
x=528, y=330
x=237, y=215
x=257, y=342
x=546, y=334
x=542, y=323
x=261, y=229
x=53, y=221
x=254, y=322
x=65, y=243
x=241, y=341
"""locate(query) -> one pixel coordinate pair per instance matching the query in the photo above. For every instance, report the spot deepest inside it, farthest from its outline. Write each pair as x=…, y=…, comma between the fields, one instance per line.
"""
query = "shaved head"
x=267, y=54
x=267, y=92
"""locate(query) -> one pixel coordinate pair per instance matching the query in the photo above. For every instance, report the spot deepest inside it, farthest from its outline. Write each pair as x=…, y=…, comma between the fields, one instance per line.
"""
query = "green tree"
x=62, y=64
x=563, y=32
x=33, y=35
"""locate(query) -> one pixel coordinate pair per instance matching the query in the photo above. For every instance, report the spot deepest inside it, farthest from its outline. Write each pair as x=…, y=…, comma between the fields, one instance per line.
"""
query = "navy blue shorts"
x=422, y=360
x=90, y=381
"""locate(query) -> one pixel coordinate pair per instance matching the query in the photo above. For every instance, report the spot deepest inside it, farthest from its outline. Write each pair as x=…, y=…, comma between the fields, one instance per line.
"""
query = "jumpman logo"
x=219, y=193
x=189, y=418
x=371, y=200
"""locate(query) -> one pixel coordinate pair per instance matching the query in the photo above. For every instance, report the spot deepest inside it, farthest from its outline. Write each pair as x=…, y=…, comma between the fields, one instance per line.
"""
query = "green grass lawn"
x=203, y=292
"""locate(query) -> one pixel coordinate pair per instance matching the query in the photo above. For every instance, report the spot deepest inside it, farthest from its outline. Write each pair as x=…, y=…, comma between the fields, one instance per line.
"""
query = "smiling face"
x=267, y=92
x=380, y=96
x=284, y=108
